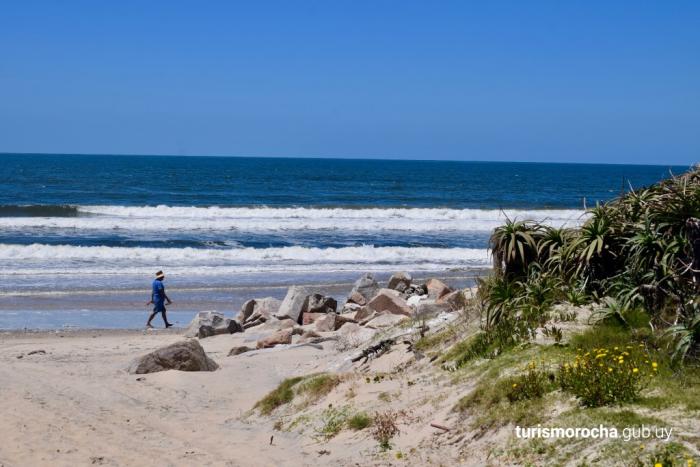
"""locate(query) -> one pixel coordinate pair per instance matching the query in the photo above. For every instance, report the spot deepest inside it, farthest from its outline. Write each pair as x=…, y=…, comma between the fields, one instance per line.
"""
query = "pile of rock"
x=311, y=315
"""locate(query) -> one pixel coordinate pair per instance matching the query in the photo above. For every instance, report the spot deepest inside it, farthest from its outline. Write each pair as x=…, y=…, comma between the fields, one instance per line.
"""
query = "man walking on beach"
x=159, y=299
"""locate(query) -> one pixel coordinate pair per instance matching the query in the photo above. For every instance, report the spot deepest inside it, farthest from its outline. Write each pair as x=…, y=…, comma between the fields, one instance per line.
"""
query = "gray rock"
x=317, y=303
x=400, y=281
x=293, y=304
x=187, y=355
x=366, y=286
x=239, y=350
x=211, y=323
x=258, y=309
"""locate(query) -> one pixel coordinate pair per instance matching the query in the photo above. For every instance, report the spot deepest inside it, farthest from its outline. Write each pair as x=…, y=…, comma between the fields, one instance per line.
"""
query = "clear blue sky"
x=585, y=81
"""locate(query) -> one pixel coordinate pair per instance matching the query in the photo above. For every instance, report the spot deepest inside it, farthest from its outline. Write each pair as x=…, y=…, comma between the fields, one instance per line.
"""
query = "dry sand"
x=76, y=404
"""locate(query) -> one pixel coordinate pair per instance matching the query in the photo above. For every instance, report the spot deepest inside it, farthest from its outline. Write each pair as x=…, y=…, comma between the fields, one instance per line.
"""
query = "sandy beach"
x=76, y=404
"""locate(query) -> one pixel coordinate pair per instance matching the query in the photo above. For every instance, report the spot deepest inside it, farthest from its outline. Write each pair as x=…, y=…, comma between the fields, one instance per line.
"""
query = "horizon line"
x=353, y=158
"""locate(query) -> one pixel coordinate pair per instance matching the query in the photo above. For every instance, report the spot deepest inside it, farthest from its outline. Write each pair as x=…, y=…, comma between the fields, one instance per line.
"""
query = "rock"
x=317, y=303
x=455, y=300
x=353, y=335
x=437, y=288
x=414, y=300
x=385, y=321
x=308, y=336
x=309, y=318
x=340, y=320
x=356, y=298
x=389, y=300
x=326, y=323
x=283, y=336
x=414, y=290
x=350, y=307
x=258, y=308
x=400, y=281
x=429, y=307
x=365, y=286
x=278, y=324
x=187, y=355
x=363, y=313
x=374, y=314
x=239, y=350
x=254, y=323
x=211, y=323
x=293, y=304
x=246, y=310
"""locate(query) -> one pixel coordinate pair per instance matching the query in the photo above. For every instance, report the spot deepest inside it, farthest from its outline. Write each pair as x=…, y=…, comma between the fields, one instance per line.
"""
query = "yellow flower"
x=658, y=464
x=635, y=370
x=515, y=385
x=600, y=355
x=654, y=366
x=609, y=370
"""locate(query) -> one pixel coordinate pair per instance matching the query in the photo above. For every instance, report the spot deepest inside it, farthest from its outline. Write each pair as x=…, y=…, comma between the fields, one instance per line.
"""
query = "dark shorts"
x=159, y=308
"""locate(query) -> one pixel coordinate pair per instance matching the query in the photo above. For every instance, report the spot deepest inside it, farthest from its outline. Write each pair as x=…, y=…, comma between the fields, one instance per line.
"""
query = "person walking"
x=159, y=299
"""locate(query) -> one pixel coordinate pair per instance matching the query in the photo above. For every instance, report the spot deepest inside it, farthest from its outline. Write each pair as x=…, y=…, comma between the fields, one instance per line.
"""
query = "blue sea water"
x=80, y=236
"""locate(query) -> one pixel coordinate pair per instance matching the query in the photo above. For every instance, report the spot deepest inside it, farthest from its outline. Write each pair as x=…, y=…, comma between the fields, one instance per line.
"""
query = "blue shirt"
x=158, y=293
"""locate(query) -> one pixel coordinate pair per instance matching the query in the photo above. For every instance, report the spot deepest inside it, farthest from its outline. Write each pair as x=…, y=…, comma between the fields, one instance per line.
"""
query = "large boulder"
x=317, y=303
x=437, y=288
x=283, y=336
x=400, y=281
x=293, y=304
x=365, y=286
x=187, y=355
x=211, y=323
x=391, y=301
x=258, y=309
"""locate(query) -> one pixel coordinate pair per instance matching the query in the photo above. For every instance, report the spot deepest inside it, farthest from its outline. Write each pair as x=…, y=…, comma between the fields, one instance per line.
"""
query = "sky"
x=570, y=81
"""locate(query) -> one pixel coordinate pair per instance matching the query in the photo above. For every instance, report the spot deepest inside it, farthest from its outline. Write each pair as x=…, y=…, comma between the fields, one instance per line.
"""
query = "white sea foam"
x=68, y=259
x=266, y=219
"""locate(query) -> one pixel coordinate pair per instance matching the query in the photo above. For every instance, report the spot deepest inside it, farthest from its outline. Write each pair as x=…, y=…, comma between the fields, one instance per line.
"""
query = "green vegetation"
x=312, y=386
x=359, y=421
x=332, y=421
x=637, y=257
x=283, y=394
x=316, y=386
x=606, y=376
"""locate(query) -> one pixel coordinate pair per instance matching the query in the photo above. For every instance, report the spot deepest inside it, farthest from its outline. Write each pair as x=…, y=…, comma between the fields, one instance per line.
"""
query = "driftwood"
x=439, y=427
x=374, y=351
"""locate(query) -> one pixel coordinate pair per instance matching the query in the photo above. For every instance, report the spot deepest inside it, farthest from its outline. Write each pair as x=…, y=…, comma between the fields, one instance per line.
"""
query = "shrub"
x=384, y=428
x=604, y=376
x=318, y=385
x=359, y=421
x=283, y=394
x=531, y=385
x=333, y=420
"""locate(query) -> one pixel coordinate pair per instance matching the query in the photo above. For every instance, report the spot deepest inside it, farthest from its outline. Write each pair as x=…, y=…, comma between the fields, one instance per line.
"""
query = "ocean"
x=82, y=236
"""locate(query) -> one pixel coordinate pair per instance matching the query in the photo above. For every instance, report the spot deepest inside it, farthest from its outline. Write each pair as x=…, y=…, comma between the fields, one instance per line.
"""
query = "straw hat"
x=160, y=275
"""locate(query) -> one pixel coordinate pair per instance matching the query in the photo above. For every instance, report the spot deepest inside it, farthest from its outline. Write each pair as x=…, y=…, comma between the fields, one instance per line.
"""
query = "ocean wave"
x=266, y=219
x=40, y=258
